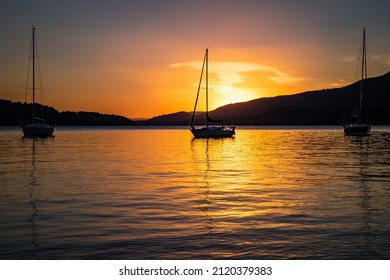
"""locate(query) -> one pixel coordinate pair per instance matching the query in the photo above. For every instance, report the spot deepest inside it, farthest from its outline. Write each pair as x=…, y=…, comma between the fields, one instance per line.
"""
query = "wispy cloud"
x=349, y=58
x=229, y=73
x=340, y=83
x=381, y=58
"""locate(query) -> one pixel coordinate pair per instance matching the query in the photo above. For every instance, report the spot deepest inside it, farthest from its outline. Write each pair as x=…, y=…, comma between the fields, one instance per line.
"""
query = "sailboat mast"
x=364, y=69
x=197, y=94
x=207, y=87
x=33, y=73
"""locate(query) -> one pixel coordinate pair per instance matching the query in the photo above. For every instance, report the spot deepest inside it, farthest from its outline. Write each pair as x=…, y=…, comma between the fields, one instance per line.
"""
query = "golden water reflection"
x=287, y=180
x=159, y=194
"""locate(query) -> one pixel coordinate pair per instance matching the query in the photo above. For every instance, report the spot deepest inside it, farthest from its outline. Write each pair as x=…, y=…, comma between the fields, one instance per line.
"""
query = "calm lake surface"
x=150, y=193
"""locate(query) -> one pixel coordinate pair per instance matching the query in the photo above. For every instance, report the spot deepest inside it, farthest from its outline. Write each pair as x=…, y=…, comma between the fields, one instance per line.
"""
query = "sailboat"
x=209, y=131
x=356, y=126
x=38, y=127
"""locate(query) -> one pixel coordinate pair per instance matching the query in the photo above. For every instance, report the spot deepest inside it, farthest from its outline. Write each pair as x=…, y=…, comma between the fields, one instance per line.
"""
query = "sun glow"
x=236, y=81
x=227, y=89
x=228, y=94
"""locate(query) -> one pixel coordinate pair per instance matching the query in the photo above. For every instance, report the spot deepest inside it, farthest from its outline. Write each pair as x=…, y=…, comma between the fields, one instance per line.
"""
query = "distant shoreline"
x=13, y=113
x=318, y=107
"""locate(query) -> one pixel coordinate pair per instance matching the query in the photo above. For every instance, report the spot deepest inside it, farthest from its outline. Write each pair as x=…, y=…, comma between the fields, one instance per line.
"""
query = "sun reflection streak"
x=270, y=187
x=156, y=193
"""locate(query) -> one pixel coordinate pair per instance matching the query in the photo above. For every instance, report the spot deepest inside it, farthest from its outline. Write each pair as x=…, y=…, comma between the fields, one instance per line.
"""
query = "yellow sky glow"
x=229, y=79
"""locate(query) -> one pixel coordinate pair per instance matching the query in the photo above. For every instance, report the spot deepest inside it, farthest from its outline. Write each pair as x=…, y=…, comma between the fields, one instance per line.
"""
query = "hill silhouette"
x=12, y=113
x=179, y=118
x=318, y=107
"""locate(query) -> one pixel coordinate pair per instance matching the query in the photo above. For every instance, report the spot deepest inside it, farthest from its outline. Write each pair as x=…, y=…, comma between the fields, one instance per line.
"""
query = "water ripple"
x=297, y=193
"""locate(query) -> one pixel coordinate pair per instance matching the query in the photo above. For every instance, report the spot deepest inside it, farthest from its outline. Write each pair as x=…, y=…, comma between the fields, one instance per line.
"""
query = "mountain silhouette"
x=318, y=107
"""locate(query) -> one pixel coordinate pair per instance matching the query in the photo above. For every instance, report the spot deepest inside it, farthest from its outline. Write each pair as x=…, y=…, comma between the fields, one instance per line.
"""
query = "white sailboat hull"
x=37, y=130
x=213, y=132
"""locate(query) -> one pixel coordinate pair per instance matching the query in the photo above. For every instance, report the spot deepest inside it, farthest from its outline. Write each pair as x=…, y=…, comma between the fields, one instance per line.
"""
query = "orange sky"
x=143, y=58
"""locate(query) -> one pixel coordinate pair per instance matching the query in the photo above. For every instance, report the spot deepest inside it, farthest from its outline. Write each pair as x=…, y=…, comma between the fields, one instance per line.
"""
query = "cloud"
x=382, y=58
x=348, y=58
x=229, y=73
x=340, y=83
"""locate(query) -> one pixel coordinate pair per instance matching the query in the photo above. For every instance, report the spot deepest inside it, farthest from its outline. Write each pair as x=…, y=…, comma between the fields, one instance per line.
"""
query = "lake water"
x=151, y=193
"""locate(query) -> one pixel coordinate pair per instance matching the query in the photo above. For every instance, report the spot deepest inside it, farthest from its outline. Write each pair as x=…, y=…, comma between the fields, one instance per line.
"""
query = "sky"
x=142, y=58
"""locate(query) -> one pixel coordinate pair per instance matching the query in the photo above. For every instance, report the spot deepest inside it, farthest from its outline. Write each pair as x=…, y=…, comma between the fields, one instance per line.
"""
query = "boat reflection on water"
x=204, y=184
x=34, y=193
x=160, y=194
x=206, y=155
x=361, y=146
x=33, y=185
